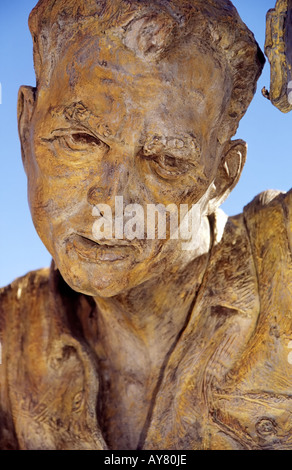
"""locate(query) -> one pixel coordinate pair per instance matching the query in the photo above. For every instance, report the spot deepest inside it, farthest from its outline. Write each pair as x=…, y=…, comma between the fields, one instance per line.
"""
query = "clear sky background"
x=267, y=131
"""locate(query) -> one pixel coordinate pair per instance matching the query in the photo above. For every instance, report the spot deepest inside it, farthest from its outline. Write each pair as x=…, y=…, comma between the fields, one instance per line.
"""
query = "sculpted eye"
x=85, y=139
x=168, y=166
x=168, y=162
x=81, y=141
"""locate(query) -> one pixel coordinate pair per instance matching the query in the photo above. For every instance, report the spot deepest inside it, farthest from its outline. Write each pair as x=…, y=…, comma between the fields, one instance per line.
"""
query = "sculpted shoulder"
x=268, y=220
x=269, y=198
x=15, y=299
x=20, y=290
x=46, y=375
x=256, y=399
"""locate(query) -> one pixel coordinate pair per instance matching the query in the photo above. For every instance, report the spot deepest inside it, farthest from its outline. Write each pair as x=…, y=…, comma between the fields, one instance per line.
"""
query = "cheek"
x=39, y=207
x=53, y=200
x=187, y=189
x=56, y=182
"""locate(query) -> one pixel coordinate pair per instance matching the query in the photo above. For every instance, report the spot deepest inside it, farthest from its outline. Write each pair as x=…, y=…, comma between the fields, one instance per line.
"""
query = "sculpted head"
x=138, y=99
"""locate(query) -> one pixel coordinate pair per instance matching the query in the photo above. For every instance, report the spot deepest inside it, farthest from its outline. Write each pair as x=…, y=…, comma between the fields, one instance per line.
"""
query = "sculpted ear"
x=228, y=173
x=25, y=108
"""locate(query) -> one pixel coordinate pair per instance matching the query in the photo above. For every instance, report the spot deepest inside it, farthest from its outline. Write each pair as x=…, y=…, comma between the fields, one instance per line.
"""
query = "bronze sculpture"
x=279, y=52
x=140, y=344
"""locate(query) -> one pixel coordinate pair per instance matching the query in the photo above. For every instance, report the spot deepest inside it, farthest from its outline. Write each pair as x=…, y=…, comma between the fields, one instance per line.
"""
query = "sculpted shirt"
x=227, y=383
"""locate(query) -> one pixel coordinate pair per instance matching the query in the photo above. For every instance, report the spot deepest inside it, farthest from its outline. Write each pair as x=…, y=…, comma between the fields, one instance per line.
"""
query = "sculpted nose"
x=112, y=183
x=95, y=195
x=106, y=195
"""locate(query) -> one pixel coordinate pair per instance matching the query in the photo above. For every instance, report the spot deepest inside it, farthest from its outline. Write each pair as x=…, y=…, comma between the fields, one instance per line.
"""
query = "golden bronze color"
x=278, y=48
x=141, y=344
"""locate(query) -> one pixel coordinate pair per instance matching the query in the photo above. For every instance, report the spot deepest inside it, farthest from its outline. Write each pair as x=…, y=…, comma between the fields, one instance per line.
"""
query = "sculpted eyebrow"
x=180, y=146
x=78, y=113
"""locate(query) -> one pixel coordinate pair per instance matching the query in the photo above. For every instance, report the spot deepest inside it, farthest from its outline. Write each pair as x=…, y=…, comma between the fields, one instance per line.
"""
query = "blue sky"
x=266, y=130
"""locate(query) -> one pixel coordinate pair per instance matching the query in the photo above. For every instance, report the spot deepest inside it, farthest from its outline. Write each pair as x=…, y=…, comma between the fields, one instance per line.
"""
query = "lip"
x=101, y=250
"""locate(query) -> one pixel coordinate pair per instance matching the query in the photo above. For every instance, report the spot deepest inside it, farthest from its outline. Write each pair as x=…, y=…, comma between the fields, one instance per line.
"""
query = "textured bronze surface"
x=140, y=344
x=278, y=48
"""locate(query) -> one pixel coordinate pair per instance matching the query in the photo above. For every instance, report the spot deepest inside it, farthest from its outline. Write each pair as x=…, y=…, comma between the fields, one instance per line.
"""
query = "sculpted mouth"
x=101, y=250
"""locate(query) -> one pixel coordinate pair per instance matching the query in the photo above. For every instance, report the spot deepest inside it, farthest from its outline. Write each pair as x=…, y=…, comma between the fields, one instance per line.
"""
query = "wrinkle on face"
x=144, y=114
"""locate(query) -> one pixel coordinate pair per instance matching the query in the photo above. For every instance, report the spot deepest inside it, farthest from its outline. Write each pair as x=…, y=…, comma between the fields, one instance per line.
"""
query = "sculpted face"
x=106, y=123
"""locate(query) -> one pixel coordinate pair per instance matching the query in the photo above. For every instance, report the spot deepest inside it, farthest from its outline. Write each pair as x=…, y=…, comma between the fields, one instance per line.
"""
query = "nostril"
x=95, y=195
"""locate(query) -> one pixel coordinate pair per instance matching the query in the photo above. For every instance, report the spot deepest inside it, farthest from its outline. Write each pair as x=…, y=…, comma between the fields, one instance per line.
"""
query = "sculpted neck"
x=133, y=335
x=155, y=312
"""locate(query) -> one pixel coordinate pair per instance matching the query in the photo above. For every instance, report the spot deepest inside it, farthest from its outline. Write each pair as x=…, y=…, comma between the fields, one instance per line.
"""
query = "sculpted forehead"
x=152, y=29
x=124, y=94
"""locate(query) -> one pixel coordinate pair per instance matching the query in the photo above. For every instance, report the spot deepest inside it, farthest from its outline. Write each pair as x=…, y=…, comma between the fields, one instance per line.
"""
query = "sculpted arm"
x=8, y=439
x=278, y=48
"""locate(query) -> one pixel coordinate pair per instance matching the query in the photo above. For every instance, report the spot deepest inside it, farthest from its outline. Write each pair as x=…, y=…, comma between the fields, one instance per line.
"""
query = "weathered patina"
x=278, y=48
x=142, y=344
